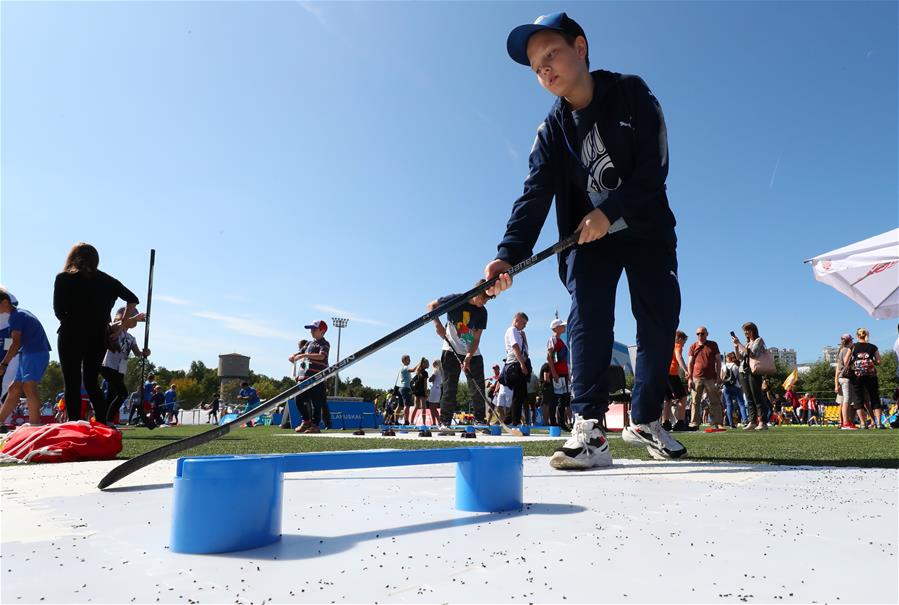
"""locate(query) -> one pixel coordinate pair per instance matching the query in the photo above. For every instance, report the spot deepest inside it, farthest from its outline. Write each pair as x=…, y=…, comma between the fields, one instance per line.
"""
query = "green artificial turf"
x=784, y=445
x=791, y=445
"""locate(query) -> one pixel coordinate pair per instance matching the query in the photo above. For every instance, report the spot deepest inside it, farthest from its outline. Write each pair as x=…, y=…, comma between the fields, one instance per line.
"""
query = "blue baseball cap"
x=517, y=43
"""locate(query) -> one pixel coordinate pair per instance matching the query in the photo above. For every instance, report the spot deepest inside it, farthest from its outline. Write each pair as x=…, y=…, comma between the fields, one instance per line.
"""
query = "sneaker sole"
x=560, y=461
x=664, y=456
x=657, y=454
x=631, y=439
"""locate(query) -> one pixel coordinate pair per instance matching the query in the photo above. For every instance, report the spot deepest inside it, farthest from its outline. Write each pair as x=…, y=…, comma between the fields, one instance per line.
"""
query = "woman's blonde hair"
x=862, y=332
x=82, y=258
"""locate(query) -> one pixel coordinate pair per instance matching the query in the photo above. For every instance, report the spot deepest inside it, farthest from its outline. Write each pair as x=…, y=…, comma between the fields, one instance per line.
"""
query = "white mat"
x=636, y=532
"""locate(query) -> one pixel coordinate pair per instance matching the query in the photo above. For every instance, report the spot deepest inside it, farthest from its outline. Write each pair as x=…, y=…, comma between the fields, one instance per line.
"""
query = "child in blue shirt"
x=29, y=342
x=5, y=343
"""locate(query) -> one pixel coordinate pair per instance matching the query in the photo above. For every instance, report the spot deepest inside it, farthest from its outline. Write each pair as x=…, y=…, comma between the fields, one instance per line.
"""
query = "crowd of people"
x=90, y=346
x=856, y=385
x=738, y=392
x=513, y=394
x=83, y=298
x=704, y=387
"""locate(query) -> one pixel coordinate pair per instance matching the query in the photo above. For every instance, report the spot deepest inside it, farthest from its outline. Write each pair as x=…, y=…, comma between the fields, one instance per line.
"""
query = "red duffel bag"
x=62, y=442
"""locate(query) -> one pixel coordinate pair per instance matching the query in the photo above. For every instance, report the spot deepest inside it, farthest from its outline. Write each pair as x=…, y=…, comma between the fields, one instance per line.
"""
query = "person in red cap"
x=313, y=403
x=602, y=155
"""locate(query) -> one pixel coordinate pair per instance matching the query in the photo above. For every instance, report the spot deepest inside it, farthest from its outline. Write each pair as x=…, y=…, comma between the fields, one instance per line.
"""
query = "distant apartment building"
x=830, y=354
x=785, y=356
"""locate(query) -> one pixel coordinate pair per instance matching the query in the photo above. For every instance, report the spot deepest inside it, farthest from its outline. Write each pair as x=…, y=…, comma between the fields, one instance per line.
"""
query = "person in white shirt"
x=517, y=369
x=436, y=381
x=115, y=364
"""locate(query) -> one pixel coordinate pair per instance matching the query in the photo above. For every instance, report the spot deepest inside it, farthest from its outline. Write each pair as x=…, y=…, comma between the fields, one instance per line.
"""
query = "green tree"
x=52, y=382
x=132, y=375
x=818, y=380
x=776, y=380
x=463, y=394
x=210, y=385
x=189, y=392
x=198, y=371
x=886, y=374
x=265, y=387
x=355, y=388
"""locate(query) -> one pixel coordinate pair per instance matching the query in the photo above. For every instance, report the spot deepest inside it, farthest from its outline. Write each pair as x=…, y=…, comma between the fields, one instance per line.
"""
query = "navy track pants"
x=592, y=272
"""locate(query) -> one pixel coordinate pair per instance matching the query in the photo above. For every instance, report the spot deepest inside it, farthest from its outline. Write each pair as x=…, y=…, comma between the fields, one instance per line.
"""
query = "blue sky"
x=291, y=161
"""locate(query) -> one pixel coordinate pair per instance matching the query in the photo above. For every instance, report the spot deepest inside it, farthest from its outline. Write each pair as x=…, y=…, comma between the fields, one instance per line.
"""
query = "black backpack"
x=730, y=375
x=417, y=384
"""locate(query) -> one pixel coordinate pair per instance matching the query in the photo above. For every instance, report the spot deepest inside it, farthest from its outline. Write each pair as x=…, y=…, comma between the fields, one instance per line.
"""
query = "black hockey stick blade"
x=147, y=458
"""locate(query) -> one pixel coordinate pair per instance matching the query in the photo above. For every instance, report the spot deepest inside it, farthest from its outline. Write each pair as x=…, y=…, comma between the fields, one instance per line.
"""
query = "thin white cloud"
x=243, y=325
x=510, y=148
x=336, y=30
x=315, y=9
x=348, y=314
x=483, y=117
x=774, y=173
x=172, y=299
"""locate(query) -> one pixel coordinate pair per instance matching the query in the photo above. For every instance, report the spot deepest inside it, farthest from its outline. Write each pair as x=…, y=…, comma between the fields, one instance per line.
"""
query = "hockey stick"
x=138, y=462
x=141, y=413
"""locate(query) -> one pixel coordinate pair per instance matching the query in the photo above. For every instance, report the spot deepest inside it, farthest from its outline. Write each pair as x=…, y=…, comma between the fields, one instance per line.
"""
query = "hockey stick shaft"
x=143, y=362
x=138, y=462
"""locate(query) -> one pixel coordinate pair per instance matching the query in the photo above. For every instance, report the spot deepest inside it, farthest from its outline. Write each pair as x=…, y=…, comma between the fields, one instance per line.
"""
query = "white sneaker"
x=586, y=448
x=445, y=431
x=657, y=441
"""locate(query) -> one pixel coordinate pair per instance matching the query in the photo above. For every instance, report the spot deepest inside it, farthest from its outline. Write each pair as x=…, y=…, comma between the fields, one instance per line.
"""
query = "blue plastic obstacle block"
x=230, y=503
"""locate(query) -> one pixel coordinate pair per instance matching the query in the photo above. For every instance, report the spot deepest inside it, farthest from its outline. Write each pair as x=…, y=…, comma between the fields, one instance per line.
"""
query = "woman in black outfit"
x=83, y=297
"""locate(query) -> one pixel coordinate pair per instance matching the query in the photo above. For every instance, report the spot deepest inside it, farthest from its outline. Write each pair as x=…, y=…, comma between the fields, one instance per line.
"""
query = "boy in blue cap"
x=602, y=153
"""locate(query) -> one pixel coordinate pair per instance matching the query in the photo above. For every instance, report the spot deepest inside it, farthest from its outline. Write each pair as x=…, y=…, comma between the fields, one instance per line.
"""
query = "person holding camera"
x=758, y=409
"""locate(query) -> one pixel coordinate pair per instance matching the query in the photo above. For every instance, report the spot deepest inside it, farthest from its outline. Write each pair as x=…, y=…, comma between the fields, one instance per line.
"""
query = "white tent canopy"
x=866, y=271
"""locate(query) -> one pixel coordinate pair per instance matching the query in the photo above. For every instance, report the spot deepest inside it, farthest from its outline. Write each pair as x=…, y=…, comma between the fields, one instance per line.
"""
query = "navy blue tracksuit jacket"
x=630, y=123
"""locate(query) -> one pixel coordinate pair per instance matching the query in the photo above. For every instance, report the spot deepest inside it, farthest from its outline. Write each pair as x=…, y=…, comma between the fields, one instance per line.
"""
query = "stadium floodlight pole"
x=341, y=323
x=169, y=449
